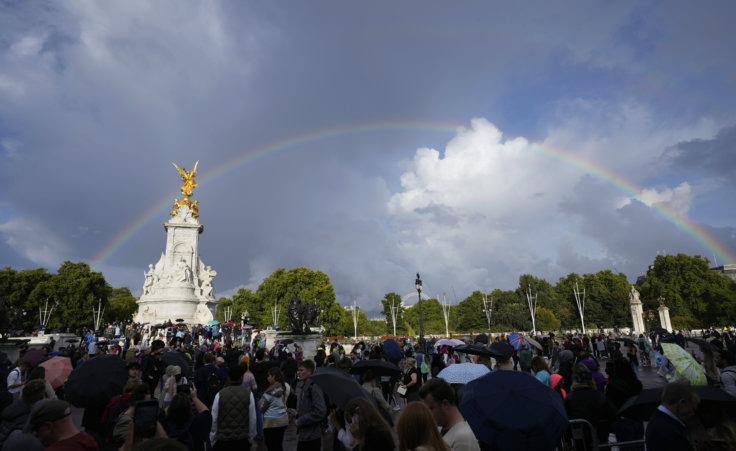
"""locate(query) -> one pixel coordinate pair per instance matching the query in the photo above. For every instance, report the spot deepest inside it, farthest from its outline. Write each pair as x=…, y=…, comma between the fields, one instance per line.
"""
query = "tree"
x=469, y=314
x=311, y=286
x=122, y=305
x=433, y=319
x=510, y=312
x=546, y=320
x=242, y=301
x=689, y=289
x=387, y=301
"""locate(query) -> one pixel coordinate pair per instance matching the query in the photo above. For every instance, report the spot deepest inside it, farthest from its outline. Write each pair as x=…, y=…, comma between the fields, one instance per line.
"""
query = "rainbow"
x=694, y=230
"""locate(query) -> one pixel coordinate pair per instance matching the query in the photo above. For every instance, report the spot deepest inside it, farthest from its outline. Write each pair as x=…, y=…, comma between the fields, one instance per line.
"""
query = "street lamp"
x=418, y=284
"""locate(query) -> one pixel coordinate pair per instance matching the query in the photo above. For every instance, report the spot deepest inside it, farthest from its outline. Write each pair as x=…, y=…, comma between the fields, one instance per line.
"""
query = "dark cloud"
x=717, y=156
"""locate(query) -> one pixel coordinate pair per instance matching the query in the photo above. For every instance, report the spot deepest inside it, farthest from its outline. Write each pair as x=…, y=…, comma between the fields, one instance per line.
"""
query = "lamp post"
x=418, y=284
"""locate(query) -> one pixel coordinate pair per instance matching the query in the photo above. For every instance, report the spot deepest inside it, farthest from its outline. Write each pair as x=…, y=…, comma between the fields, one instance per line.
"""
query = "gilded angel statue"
x=186, y=190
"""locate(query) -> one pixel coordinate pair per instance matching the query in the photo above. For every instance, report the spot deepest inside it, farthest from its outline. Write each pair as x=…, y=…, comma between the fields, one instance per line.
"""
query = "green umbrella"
x=213, y=322
x=685, y=364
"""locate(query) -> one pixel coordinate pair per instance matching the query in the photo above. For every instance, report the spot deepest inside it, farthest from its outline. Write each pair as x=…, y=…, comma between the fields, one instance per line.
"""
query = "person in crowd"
x=585, y=402
x=555, y=356
x=727, y=364
x=207, y=379
x=39, y=373
x=541, y=371
x=412, y=380
x=634, y=360
x=312, y=409
x=273, y=407
x=567, y=360
x=122, y=422
x=260, y=372
x=134, y=372
x=153, y=368
x=440, y=398
x=172, y=380
x=622, y=386
x=16, y=378
x=558, y=385
x=525, y=359
x=368, y=428
x=249, y=380
x=417, y=429
x=369, y=383
x=598, y=377
x=51, y=421
x=502, y=351
x=15, y=416
x=667, y=428
x=233, y=415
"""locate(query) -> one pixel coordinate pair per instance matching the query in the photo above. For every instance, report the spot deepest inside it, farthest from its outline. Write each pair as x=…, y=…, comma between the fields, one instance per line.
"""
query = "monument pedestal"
x=179, y=286
x=664, y=318
x=308, y=342
x=637, y=313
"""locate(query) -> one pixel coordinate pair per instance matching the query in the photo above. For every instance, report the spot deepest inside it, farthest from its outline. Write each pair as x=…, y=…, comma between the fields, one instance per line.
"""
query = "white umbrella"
x=462, y=373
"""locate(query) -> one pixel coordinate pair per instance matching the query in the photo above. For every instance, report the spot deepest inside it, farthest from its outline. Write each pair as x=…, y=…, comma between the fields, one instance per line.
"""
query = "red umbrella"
x=229, y=323
x=58, y=370
x=33, y=356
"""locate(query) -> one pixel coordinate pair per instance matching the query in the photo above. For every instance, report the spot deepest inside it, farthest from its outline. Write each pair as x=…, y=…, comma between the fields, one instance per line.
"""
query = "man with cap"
x=51, y=421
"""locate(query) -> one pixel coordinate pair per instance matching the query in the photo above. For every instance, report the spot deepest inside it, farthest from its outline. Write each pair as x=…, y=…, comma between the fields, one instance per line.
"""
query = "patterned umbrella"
x=462, y=373
x=685, y=364
x=448, y=342
x=533, y=342
x=517, y=341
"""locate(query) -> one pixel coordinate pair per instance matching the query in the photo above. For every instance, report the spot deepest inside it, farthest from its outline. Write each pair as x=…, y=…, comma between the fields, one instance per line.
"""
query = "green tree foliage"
x=386, y=302
x=242, y=301
x=606, y=300
x=433, y=318
x=122, y=305
x=510, y=311
x=690, y=289
x=468, y=314
x=312, y=286
x=546, y=320
x=347, y=325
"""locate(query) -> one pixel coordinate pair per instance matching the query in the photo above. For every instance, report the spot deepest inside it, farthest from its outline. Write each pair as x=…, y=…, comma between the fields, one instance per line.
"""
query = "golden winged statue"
x=186, y=190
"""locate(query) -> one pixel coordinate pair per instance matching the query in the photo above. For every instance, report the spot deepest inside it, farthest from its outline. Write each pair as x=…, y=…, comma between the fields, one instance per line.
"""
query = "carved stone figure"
x=634, y=296
x=207, y=288
x=185, y=272
x=302, y=316
x=188, y=185
x=150, y=280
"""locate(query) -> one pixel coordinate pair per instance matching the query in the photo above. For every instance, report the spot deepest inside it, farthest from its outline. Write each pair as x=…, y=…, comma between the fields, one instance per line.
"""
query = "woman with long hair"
x=541, y=370
x=417, y=429
x=273, y=406
x=369, y=429
x=412, y=380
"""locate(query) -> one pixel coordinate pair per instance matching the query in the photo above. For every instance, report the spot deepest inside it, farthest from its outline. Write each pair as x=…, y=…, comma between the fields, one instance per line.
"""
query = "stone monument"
x=179, y=285
x=664, y=315
x=637, y=313
x=302, y=318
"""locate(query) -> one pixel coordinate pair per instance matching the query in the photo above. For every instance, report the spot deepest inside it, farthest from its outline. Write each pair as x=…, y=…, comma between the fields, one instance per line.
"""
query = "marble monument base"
x=308, y=342
x=192, y=311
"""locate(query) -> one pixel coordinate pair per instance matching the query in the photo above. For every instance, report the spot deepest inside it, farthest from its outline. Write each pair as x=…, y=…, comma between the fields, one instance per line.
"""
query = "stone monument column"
x=179, y=286
x=664, y=315
x=637, y=313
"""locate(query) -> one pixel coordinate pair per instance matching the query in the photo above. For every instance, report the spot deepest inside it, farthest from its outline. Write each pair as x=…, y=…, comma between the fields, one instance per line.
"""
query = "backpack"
x=212, y=386
x=424, y=367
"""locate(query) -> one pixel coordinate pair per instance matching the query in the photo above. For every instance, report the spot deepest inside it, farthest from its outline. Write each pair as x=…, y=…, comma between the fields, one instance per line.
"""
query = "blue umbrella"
x=514, y=410
x=462, y=373
x=393, y=351
x=213, y=322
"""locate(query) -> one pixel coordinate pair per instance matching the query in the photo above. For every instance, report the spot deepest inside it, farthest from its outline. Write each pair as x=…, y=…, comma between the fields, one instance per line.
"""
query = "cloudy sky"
x=370, y=140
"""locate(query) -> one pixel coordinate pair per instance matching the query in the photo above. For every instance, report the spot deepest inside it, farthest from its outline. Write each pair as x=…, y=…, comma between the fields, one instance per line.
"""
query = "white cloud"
x=34, y=241
x=679, y=198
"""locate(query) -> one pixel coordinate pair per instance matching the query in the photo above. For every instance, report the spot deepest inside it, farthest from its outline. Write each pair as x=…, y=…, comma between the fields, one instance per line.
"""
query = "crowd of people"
x=234, y=392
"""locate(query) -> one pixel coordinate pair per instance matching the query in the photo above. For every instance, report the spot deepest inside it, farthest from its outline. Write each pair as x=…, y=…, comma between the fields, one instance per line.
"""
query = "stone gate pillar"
x=664, y=317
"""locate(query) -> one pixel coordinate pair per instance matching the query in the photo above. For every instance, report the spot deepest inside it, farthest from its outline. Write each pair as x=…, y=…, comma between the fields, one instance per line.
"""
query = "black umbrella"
x=660, y=331
x=475, y=349
x=286, y=341
x=179, y=320
x=379, y=368
x=95, y=381
x=340, y=387
x=178, y=359
x=481, y=338
x=642, y=406
x=157, y=344
x=627, y=341
x=704, y=344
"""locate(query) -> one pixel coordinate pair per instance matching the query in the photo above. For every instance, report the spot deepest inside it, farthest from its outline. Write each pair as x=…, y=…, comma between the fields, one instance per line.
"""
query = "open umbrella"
x=286, y=341
x=703, y=344
x=448, y=342
x=481, y=338
x=462, y=373
x=685, y=364
x=178, y=359
x=379, y=368
x=58, y=370
x=95, y=381
x=33, y=356
x=517, y=340
x=475, y=349
x=213, y=322
x=393, y=351
x=627, y=341
x=340, y=387
x=179, y=320
x=514, y=410
x=533, y=342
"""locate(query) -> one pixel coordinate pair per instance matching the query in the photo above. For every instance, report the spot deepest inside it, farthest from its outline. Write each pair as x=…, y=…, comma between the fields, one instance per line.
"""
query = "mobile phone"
x=145, y=416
